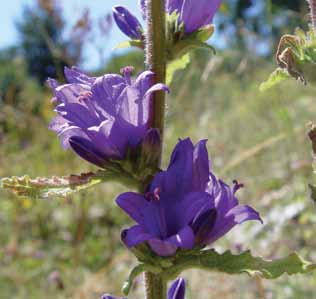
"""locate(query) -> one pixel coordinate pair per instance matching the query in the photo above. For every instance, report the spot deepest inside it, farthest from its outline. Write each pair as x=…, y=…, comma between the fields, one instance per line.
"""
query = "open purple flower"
x=185, y=205
x=100, y=118
x=194, y=13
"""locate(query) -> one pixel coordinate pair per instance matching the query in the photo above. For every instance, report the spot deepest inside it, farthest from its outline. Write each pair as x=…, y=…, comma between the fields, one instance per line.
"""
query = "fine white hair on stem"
x=312, y=6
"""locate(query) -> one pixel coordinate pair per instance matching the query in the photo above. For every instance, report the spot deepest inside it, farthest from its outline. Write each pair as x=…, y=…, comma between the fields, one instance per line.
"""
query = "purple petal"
x=196, y=14
x=144, y=81
x=157, y=87
x=174, y=5
x=109, y=138
x=78, y=114
x=52, y=83
x=107, y=296
x=65, y=132
x=201, y=167
x=106, y=91
x=133, y=204
x=195, y=203
x=177, y=289
x=127, y=22
x=135, y=235
x=183, y=239
x=162, y=247
x=74, y=75
x=177, y=179
x=58, y=123
x=237, y=215
x=134, y=108
x=244, y=213
x=69, y=93
x=86, y=150
x=225, y=199
x=203, y=225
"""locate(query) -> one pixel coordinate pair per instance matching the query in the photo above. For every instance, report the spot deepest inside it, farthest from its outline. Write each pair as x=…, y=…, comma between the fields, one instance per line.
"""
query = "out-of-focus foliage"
x=296, y=58
x=256, y=25
x=44, y=48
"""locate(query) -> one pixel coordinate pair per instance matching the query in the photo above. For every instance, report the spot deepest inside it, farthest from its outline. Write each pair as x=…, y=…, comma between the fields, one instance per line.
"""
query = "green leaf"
x=202, y=34
x=129, y=282
x=241, y=263
x=53, y=187
x=296, y=58
x=129, y=44
x=313, y=192
x=175, y=65
x=275, y=78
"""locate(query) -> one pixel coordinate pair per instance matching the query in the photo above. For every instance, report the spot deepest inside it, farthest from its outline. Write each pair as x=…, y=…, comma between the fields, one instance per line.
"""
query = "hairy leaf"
x=175, y=65
x=210, y=260
x=241, y=263
x=52, y=187
x=296, y=58
x=129, y=44
x=275, y=78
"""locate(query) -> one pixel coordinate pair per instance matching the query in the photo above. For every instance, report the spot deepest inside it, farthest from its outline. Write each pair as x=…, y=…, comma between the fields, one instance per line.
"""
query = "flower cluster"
x=184, y=206
x=104, y=119
x=100, y=118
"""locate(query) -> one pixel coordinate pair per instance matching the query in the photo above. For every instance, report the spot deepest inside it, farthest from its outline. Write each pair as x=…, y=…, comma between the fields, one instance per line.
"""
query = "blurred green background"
x=71, y=248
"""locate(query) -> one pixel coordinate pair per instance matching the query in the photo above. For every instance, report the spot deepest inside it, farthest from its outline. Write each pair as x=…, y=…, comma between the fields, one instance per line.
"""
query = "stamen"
x=237, y=186
x=156, y=194
x=54, y=101
x=84, y=96
x=153, y=195
x=126, y=72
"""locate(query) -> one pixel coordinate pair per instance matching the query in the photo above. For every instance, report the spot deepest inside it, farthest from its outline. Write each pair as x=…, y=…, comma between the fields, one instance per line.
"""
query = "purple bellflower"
x=194, y=14
x=184, y=206
x=176, y=291
x=100, y=118
x=127, y=22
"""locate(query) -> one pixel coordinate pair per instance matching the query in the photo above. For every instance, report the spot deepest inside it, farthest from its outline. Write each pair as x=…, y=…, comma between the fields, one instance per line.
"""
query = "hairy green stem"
x=155, y=285
x=312, y=5
x=155, y=52
x=156, y=62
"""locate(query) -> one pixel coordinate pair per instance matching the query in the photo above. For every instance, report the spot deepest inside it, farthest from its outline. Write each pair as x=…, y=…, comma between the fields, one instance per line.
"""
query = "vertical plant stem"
x=155, y=52
x=312, y=5
x=156, y=286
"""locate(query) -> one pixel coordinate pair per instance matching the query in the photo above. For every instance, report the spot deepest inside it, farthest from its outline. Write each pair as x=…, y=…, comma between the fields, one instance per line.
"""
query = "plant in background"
x=117, y=124
x=296, y=55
